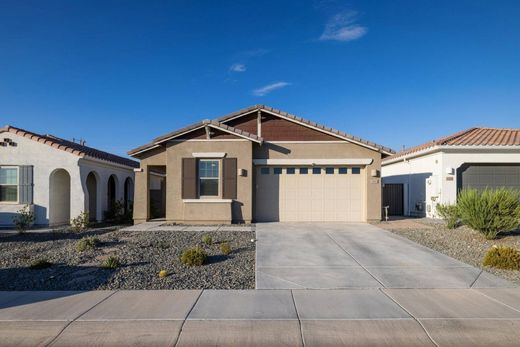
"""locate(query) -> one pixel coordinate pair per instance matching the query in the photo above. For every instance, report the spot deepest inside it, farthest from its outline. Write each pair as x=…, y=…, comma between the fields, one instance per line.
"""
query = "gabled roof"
x=220, y=124
x=308, y=123
x=472, y=137
x=71, y=147
x=205, y=123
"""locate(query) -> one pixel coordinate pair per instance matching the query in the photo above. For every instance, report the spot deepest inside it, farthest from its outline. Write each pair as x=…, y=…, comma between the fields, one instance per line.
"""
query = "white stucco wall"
x=438, y=171
x=45, y=160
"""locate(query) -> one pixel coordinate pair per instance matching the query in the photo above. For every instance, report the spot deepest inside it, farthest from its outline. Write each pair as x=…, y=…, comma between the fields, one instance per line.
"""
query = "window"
x=342, y=170
x=290, y=170
x=208, y=177
x=8, y=184
x=356, y=170
x=264, y=171
x=277, y=170
x=304, y=171
x=316, y=170
x=329, y=171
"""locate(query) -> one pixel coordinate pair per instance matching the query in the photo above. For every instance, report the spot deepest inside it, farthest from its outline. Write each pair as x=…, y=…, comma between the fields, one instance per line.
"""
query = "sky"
x=119, y=73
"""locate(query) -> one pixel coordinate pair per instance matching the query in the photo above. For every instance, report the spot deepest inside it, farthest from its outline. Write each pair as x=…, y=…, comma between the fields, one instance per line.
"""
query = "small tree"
x=23, y=219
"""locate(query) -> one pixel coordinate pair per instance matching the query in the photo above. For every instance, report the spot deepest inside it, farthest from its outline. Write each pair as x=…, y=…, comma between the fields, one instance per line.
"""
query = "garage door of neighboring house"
x=483, y=176
x=299, y=194
x=393, y=198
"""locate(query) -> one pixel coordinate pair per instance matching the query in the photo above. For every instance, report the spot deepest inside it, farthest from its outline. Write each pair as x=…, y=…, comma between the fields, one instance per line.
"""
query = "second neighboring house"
x=258, y=164
x=59, y=179
x=417, y=179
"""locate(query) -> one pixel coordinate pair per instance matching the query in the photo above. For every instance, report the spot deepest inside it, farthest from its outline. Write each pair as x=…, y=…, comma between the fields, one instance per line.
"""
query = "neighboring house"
x=59, y=179
x=415, y=180
x=258, y=164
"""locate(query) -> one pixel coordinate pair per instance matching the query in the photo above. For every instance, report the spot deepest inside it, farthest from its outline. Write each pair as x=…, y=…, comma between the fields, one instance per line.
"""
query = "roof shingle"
x=71, y=147
x=469, y=137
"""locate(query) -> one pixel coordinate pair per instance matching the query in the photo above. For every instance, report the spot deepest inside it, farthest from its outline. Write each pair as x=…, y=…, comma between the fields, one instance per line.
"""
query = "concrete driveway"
x=331, y=256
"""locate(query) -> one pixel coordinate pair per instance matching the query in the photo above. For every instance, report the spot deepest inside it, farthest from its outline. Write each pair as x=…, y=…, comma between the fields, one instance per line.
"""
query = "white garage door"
x=298, y=194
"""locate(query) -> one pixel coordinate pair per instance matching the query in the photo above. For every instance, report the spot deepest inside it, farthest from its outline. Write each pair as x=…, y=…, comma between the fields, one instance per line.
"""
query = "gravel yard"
x=142, y=255
x=463, y=243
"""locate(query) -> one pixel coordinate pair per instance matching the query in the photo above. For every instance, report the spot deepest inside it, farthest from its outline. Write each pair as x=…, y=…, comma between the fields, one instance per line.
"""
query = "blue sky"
x=118, y=73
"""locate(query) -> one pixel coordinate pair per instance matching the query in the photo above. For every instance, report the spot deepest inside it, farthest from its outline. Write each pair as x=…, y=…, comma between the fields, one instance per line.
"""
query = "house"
x=416, y=179
x=258, y=164
x=59, y=179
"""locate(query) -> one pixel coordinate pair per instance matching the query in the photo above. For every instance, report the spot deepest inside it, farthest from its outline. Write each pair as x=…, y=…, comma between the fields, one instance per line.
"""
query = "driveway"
x=332, y=256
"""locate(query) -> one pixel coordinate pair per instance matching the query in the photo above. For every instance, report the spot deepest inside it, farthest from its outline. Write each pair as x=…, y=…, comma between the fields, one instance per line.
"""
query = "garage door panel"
x=309, y=197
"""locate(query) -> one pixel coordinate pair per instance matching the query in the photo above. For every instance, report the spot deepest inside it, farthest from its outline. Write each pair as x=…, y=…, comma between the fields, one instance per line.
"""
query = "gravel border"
x=142, y=256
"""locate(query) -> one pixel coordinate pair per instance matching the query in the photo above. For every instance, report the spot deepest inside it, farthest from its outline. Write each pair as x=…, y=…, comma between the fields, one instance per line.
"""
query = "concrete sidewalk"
x=354, y=317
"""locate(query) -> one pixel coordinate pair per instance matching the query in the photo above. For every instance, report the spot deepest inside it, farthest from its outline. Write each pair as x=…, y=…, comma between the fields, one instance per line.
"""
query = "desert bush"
x=81, y=222
x=450, y=214
x=111, y=262
x=490, y=211
x=194, y=256
x=40, y=264
x=225, y=248
x=503, y=257
x=23, y=219
x=87, y=243
x=207, y=239
x=117, y=213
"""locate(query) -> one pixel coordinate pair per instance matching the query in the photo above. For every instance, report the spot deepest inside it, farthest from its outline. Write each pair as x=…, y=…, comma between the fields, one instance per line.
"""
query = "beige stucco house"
x=258, y=164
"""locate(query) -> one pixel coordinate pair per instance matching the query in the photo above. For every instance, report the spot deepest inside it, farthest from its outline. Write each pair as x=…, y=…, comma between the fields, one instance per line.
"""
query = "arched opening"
x=59, y=197
x=111, y=191
x=92, y=196
x=129, y=194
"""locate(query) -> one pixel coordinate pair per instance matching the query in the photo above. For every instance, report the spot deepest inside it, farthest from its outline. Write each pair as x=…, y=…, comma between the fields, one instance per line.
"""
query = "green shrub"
x=23, y=219
x=111, y=263
x=450, y=214
x=207, y=239
x=490, y=211
x=87, y=243
x=225, y=248
x=117, y=213
x=81, y=222
x=503, y=257
x=194, y=256
x=40, y=264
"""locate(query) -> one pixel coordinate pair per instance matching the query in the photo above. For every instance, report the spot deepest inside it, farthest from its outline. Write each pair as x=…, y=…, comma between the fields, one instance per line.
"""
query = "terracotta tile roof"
x=71, y=147
x=339, y=133
x=469, y=137
x=212, y=123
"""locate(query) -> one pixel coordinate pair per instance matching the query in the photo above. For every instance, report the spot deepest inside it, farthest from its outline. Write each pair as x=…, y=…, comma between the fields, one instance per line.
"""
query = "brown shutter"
x=229, y=188
x=189, y=178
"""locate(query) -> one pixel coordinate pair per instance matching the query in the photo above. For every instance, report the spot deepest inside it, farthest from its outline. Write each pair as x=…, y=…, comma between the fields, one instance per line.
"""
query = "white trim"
x=144, y=150
x=212, y=201
x=139, y=169
x=348, y=161
x=209, y=154
x=233, y=133
x=212, y=140
x=17, y=185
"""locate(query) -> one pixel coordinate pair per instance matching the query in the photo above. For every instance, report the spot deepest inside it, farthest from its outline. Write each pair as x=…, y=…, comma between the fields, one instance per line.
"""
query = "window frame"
x=343, y=170
x=218, y=178
x=290, y=170
x=317, y=168
x=17, y=185
x=306, y=169
x=355, y=170
x=328, y=169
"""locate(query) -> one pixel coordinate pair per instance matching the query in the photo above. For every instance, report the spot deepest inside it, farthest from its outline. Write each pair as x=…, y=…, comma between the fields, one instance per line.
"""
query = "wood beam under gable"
x=259, y=123
x=208, y=132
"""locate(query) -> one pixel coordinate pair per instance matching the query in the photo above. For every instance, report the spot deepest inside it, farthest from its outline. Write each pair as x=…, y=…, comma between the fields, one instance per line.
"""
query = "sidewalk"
x=354, y=317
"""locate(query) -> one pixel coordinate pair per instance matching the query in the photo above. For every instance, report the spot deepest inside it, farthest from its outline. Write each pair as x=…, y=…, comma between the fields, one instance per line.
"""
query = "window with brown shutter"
x=229, y=175
x=189, y=178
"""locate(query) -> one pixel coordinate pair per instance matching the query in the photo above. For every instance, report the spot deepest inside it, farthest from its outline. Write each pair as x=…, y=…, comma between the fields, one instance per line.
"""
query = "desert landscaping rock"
x=142, y=255
x=462, y=243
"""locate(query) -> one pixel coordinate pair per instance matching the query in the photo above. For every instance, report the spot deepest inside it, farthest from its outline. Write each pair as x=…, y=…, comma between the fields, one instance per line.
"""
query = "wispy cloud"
x=343, y=27
x=269, y=88
x=238, y=67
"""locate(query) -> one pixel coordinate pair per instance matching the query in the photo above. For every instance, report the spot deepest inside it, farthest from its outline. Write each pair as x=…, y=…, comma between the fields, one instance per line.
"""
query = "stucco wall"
x=45, y=160
x=441, y=169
